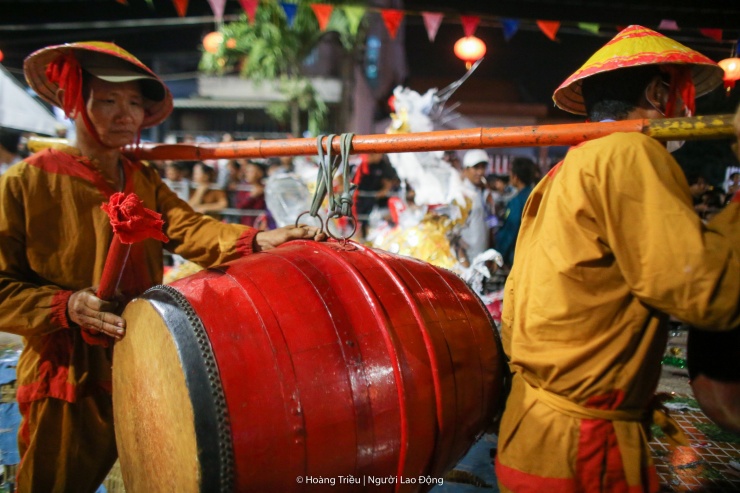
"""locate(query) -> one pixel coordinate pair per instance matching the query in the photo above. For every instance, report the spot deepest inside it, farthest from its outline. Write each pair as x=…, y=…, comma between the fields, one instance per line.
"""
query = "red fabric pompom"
x=131, y=221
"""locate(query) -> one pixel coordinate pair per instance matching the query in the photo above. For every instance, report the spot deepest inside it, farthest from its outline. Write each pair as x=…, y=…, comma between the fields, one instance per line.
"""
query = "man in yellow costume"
x=54, y=240
x=609, y=248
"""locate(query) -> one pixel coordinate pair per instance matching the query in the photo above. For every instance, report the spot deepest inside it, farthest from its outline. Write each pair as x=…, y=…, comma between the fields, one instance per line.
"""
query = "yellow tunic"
x=610, y=246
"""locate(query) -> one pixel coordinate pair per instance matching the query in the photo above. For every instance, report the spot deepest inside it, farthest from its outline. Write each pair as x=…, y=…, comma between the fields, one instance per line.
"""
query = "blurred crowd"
x=235, y=191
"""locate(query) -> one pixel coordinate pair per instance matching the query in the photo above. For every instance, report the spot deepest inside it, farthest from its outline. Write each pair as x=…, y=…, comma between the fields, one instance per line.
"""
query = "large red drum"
x=311, y=364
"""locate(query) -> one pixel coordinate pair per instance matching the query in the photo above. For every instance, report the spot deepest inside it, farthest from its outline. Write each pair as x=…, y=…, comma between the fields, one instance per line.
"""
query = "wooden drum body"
x=309, y=362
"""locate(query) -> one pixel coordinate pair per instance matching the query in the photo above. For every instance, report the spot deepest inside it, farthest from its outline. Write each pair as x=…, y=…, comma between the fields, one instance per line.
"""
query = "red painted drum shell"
x=333, y=360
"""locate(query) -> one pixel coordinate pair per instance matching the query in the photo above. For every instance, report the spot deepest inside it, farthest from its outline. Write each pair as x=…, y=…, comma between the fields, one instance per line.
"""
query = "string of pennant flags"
x=392, y=19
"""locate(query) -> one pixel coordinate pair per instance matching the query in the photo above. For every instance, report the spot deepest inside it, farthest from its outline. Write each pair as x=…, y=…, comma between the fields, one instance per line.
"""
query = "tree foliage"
x=270, y=50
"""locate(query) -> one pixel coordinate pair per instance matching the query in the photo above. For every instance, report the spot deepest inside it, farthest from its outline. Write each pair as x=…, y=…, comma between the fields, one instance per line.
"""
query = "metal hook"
x=322, y=229
x=342, y=239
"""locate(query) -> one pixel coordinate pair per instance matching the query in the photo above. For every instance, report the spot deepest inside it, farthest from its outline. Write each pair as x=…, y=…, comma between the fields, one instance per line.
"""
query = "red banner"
x=250, y=7
x=181, y=6
x=470, y=24
x=550, y=28
x=392, y=19
x=323, y=12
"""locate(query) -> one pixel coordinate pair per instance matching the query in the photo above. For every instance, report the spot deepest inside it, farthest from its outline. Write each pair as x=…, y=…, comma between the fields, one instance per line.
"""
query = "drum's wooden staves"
x=313, y=359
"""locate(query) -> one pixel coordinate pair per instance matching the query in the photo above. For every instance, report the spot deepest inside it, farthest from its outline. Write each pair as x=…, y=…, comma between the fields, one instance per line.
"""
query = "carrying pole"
x=690, y=128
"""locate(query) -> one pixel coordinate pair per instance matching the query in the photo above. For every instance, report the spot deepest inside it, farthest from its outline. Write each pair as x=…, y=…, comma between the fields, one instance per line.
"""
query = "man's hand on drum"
x=90, y=312
x=267, y=240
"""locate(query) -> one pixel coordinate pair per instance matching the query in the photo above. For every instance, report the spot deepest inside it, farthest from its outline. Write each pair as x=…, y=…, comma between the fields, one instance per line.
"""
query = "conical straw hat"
x=632, y=47
x=106, y=61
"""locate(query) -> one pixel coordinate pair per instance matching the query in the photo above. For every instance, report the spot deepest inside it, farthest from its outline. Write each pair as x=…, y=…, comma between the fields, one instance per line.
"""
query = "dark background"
x=530, y=58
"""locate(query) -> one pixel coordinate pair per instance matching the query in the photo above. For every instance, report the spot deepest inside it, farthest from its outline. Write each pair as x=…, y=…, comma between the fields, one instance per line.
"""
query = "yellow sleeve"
x=29, y=305
x=197, y=237
x=668, y=257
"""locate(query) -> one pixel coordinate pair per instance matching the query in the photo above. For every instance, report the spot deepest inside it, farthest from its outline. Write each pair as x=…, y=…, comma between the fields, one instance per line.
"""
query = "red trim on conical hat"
x=632, y=47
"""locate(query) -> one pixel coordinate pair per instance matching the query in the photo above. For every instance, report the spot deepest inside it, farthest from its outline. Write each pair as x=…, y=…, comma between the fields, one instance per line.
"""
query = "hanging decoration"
x=715, y=34
x=290, y=10
x=354, y=16
x=731, y=66
x=469, y=49
x=212, y=42
x=432, y=21
x=550, y=28
x=590, y=27
x=181, y=6
x=250, y=7
x=469, y=24
x=392, y=19
x=218, y=9
x=323, y=12
x=668, y=25
x=2, y=55
x=123, y=2
x=510, y=26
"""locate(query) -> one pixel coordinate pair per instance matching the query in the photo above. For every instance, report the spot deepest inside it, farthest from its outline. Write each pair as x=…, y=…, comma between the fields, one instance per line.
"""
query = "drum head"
x=172, y=430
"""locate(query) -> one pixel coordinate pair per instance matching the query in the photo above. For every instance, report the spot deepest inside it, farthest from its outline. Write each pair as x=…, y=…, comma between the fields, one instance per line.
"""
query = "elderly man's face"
x=116, y=111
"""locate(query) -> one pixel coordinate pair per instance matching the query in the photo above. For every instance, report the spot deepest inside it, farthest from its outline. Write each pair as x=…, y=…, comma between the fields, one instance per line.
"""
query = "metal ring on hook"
x=338, y=215
x=321, y=221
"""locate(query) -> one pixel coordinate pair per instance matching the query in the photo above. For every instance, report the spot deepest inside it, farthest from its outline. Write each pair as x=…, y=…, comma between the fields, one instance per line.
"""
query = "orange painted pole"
x=694, y=128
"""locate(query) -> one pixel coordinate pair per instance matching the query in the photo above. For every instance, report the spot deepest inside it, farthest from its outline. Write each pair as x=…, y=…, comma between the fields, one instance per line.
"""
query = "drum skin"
x=311, y=360
x=714, y=370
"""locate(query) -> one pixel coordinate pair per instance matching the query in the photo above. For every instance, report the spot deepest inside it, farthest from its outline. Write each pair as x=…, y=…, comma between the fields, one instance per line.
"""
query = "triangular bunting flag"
x=354, y=17
x=322, y=11
x=432, y=21
x=510, y=26
x=290, y=10
x=668, y=25
x=590, y=27
x=550, y=28
x=715, y=34
x=470, y=24
x=181, y=6
x=218, y=9
x=250, y=7
x=392, y=19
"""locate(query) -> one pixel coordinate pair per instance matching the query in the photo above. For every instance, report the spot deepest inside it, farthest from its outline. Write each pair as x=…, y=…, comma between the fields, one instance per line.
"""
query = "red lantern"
x=470, y=49
x=731, y=66
x=212, y=42
x=2, y=55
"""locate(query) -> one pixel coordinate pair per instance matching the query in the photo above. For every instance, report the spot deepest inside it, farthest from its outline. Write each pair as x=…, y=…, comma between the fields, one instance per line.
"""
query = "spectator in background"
x=523, y=174
x=501, y=193
x=475, y=232
x=206, y=197
x=235, y=179
x=278, y=165
x=697, y=185
x=174, y=178
x=251, y=196
x=376, y=179
x=734, y=184
x=452, y=158
x=8, y=149
x=222, y=165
